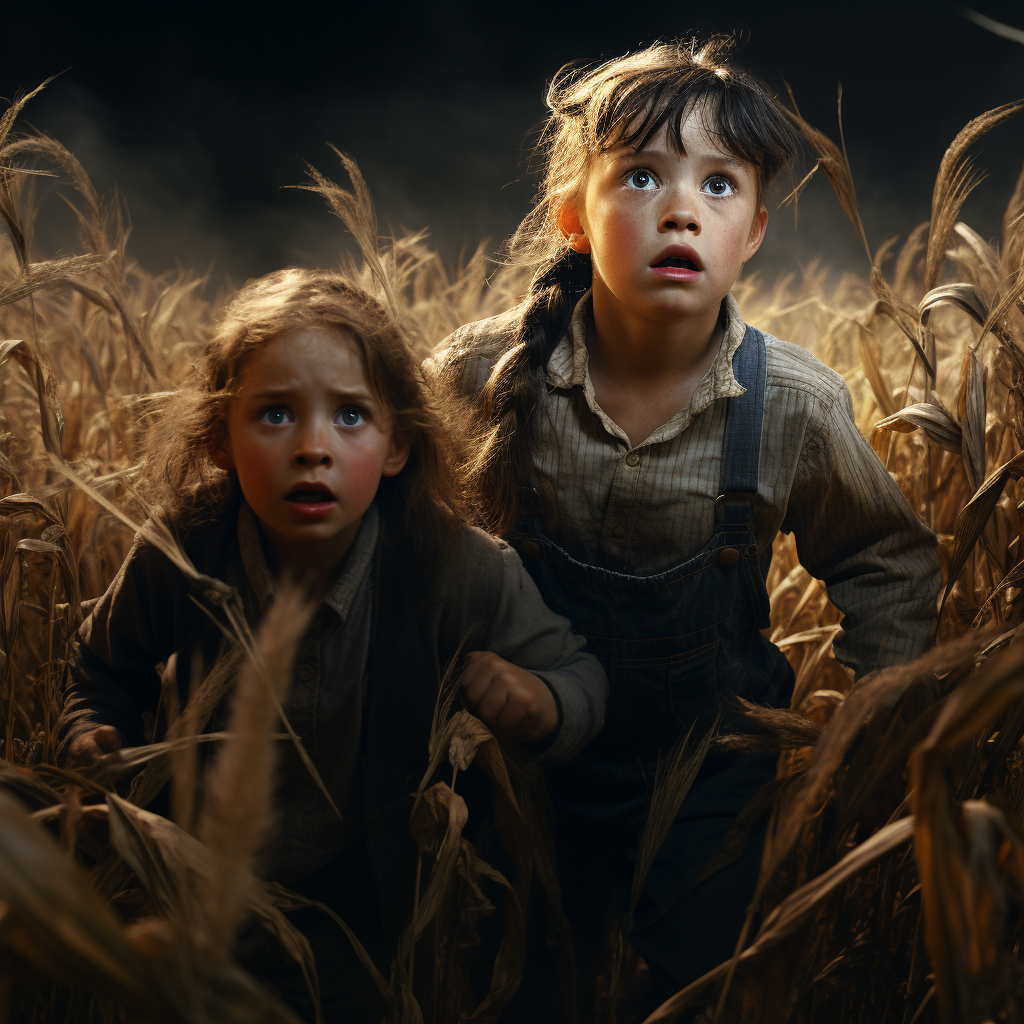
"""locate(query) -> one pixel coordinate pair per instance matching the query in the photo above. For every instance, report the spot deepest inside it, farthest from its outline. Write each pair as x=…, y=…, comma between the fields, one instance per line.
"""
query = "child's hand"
x=88, y=747
x=507, y=698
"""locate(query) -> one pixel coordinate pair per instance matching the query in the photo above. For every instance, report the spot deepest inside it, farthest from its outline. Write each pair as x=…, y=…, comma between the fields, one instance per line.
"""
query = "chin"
x=672, y=311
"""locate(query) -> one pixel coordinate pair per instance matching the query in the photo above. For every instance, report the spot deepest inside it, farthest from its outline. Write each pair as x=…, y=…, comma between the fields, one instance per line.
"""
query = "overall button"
x=728, y=556
x=305, y=673
x=529, y=551
x=303, y=792
x=633, y=459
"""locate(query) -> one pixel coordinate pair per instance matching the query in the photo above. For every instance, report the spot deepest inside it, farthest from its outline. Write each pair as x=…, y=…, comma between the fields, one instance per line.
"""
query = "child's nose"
x=312, y=456
x=312, y=450
x=679, y=214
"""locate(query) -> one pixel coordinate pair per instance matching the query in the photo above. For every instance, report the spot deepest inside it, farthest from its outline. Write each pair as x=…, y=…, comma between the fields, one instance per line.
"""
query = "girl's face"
x=667, y=231
x=310, y=443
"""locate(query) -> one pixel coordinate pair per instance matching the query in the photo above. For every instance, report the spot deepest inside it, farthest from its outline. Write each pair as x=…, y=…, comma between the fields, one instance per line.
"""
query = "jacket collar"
x=350, y=576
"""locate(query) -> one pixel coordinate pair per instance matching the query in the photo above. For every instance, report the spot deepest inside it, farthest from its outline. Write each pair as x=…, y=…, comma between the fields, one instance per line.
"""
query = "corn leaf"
x=939, y=426
x=963, y=296
x=973, y=517
x=793, y=912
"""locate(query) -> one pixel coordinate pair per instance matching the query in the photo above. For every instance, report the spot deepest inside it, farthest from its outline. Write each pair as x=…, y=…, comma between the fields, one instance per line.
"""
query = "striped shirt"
x=642, y=509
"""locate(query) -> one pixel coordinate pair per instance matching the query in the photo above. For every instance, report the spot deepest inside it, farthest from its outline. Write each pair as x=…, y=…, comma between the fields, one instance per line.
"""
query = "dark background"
x=199, y=117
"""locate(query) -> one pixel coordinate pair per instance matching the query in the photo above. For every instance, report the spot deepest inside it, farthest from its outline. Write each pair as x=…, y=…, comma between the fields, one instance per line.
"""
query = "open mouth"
x=303, y=497
x=677, y=262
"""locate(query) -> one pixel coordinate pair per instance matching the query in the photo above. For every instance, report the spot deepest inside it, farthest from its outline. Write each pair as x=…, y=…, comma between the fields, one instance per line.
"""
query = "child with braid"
x=645, y=448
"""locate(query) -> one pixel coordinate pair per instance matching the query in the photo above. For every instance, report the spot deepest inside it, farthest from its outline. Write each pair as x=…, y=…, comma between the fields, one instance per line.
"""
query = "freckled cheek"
x=622, y=227
x=732, y=245
x=617, y=239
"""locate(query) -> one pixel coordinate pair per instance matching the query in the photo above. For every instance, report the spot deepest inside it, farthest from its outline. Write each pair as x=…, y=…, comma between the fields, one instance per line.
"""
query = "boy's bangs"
x=743, y=121
x=632, y=117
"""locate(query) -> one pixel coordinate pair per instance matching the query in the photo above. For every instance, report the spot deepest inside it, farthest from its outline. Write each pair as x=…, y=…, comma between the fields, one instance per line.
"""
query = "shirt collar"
x=351, y=575
x=567, y=368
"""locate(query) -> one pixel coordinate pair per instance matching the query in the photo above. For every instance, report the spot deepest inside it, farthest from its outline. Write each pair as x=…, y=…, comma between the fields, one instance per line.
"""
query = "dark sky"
x=200, y=118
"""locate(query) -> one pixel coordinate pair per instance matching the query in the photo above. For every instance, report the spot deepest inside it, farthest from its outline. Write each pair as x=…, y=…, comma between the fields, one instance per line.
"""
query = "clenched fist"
x=507, y=698
x=88, y=747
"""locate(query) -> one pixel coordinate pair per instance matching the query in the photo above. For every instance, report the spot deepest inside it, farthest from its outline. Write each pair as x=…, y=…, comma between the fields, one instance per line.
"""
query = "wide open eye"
x=641, y=179
x=350, y=416
x=275, y=416
x=718, y=185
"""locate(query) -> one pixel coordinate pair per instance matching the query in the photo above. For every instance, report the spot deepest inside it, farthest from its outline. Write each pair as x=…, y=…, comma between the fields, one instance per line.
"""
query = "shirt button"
x=303, y=792
x=529, y=551
x=305, y=673
x=633, y=459
x=619, y=531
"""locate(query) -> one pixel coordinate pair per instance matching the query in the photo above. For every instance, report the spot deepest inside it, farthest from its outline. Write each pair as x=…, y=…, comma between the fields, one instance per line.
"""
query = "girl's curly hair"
x=422, y=507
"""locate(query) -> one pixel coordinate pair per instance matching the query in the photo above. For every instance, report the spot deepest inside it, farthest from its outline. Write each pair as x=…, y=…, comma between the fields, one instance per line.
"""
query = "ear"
x=398, y=455
x=219, y=450
x=757, y=229
x=572, y=228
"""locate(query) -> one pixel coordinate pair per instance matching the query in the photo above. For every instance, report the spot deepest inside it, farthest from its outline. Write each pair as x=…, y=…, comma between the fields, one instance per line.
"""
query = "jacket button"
x=633, y=459
x=529, y=551
x=305, y=673
x=303, y=792
x=728, y=556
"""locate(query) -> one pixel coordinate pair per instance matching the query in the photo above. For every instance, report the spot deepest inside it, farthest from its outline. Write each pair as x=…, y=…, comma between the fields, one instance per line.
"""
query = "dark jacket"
x=481, y=599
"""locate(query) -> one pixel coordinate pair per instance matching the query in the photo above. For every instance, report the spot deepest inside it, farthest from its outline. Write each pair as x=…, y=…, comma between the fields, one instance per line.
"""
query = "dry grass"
x=893, y=876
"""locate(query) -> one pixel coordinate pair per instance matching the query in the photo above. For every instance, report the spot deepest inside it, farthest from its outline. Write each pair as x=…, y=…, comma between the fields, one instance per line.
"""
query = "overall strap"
x=741, y=450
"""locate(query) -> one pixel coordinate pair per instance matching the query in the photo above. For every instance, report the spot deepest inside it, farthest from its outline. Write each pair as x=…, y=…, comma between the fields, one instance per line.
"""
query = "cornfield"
x=892, y=883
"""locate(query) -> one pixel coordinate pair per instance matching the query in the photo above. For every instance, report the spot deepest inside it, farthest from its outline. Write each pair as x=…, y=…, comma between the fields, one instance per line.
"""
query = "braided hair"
x=623, y=102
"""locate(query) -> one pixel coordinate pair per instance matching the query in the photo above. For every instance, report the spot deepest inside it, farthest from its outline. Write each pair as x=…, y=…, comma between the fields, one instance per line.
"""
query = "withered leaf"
x=985, y=254
x=963, y=296
x=939, y=426
x=27, y=504
x=793, y=911
x=37, y=546
x=974, y=515
x=972, y=417
x=871, y=361
x=901, y=313
x=62, y=925
x=1013, y=578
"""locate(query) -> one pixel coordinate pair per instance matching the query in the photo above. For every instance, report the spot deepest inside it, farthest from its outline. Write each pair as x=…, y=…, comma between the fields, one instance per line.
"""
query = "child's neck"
x=645, y=371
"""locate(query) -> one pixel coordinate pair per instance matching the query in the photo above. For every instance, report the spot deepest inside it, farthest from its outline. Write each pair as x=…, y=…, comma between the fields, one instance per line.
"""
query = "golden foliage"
x=853, y=923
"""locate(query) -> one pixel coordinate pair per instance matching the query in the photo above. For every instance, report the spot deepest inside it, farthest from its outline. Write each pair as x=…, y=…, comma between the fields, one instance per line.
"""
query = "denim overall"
x=672, y=644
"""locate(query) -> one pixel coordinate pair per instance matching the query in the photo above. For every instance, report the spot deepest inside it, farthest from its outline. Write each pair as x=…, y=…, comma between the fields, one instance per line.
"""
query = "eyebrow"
x=284, y=390
x=715, y=156
x=728, y=160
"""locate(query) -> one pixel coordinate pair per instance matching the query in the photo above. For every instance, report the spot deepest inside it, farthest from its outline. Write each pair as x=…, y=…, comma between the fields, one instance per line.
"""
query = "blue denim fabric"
x=674, y=645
